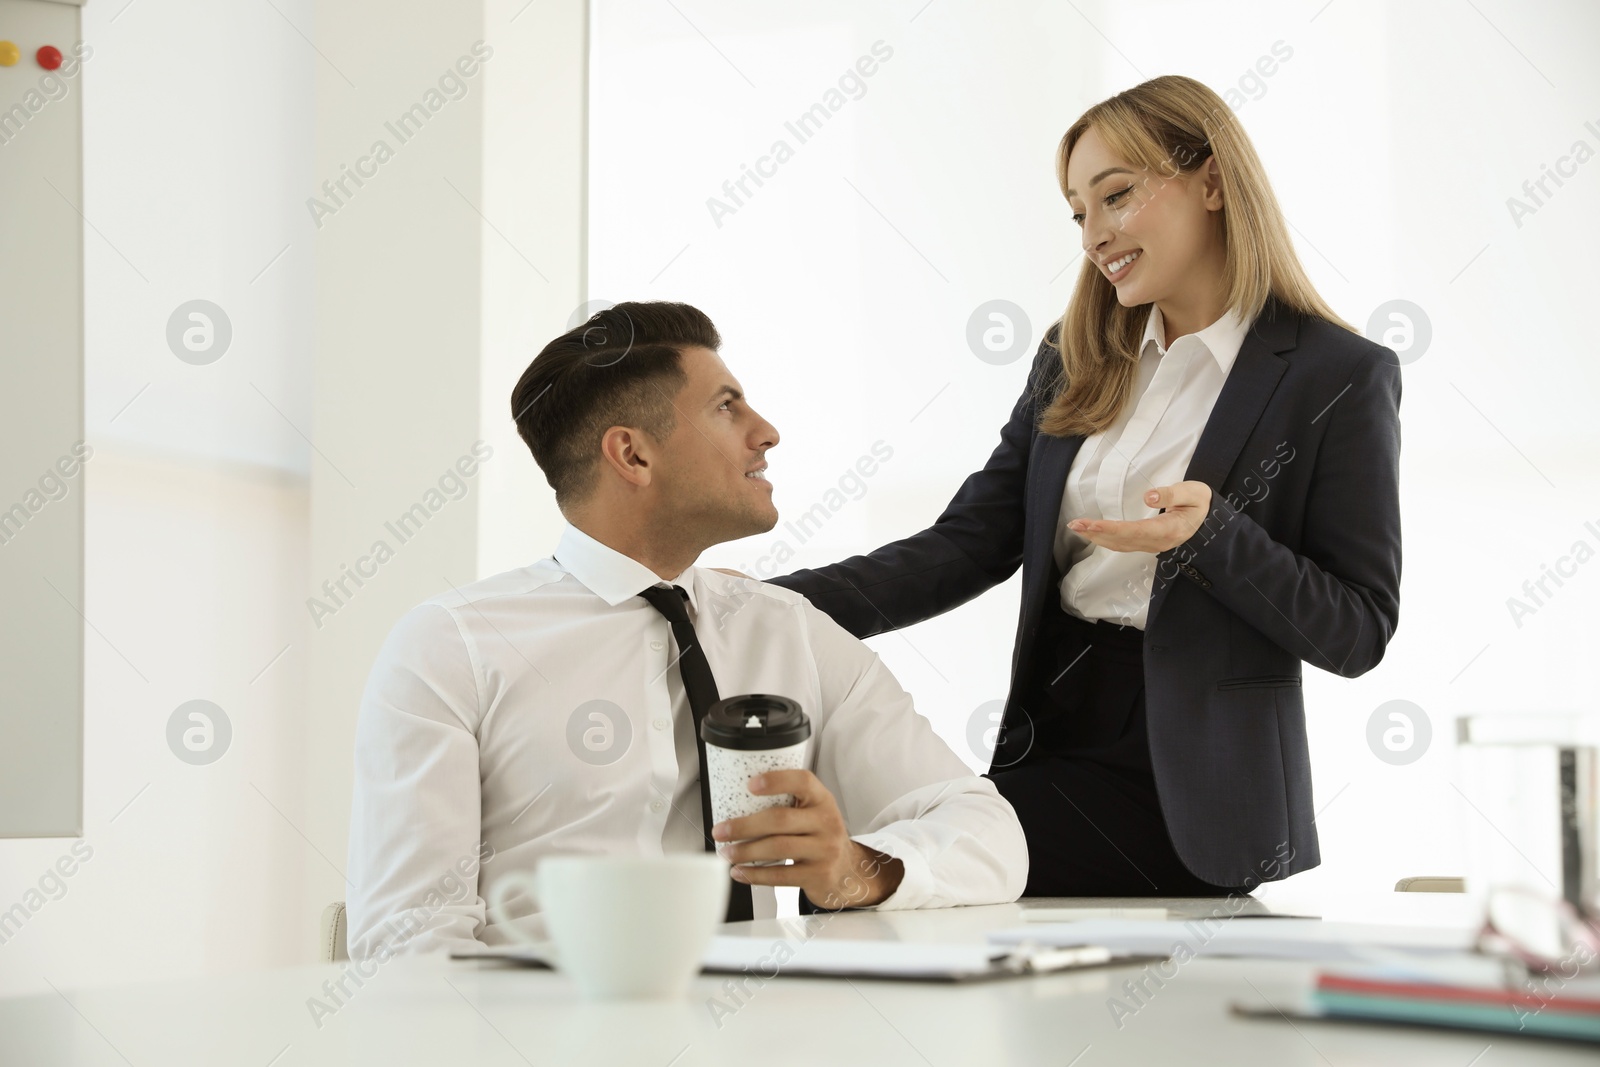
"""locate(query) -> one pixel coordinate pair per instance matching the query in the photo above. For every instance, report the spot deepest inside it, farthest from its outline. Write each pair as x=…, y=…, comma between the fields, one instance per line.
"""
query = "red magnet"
x=49, y=57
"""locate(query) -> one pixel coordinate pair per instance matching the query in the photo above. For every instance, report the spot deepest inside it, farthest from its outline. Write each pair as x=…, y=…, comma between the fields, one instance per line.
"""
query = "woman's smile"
x=1122, y=266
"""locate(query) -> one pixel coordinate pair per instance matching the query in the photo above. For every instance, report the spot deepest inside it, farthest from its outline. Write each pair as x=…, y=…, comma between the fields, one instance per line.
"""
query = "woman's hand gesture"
x=1186, y=504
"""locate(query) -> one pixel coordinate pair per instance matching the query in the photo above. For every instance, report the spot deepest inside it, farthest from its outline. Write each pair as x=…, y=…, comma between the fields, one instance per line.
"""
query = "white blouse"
x=1149, y=445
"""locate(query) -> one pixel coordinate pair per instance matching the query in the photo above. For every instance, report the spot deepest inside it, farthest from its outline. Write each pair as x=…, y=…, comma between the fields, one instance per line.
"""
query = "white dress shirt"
x=540, y=712
x=1149, y=445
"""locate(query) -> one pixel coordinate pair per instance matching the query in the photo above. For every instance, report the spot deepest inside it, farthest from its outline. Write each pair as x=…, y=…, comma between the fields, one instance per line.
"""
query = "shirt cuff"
x=916, y=884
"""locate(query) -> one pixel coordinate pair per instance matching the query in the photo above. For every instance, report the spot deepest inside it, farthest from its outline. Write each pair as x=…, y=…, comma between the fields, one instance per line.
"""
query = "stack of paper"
x=1302, y=939
x=770, y=957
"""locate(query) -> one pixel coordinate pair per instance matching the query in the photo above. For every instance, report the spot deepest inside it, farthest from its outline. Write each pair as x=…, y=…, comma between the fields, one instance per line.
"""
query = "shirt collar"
x=609, y=574
x=1222, y=338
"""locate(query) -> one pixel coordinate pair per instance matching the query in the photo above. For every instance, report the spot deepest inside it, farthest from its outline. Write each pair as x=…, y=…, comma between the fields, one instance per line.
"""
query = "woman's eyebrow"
x=1102, y=176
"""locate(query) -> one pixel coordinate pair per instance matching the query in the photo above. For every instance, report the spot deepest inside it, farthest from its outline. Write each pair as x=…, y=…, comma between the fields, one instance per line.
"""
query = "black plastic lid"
x=755, y=721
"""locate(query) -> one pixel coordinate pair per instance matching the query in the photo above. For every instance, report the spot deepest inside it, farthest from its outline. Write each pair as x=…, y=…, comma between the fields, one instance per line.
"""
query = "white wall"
x=194, y=573
x=534, y=191
x=222, y=496
x=196, y=161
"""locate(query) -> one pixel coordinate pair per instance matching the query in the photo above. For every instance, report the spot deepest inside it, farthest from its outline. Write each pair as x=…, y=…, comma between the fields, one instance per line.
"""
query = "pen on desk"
x=1029, y=957
x=1054, y=959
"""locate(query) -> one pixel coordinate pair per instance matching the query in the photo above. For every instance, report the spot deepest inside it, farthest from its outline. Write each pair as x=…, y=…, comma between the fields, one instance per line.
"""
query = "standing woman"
x=1201, y=485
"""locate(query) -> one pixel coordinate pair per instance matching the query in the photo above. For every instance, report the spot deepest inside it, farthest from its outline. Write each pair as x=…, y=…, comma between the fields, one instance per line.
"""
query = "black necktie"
x=701, y=687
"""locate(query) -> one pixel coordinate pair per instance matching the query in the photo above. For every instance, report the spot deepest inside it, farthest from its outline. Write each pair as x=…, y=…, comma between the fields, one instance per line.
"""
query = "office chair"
x=334, y=948
x=1431, y=883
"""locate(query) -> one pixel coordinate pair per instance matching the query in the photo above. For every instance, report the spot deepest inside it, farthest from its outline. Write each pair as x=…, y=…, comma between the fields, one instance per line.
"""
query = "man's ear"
x=628, y=453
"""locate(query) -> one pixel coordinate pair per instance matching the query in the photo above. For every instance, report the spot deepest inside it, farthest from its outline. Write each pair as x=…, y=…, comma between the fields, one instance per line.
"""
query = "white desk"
x=433, y=1010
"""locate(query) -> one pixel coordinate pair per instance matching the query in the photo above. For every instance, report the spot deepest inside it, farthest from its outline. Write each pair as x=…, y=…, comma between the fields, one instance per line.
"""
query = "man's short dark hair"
x=620, y=368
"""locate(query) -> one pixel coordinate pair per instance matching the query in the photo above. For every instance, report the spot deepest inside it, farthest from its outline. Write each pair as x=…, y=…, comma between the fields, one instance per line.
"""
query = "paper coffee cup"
x=748, y=735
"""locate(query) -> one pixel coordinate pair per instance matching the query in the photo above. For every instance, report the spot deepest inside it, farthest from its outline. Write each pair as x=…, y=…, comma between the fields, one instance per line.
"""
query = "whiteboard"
x=42, y=447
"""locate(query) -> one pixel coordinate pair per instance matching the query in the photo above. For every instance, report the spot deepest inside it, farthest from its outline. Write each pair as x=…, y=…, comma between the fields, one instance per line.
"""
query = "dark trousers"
x=1080, y=781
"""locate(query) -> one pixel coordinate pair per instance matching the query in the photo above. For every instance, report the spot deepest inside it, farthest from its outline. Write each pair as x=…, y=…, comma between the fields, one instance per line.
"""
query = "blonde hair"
x=1171, y=125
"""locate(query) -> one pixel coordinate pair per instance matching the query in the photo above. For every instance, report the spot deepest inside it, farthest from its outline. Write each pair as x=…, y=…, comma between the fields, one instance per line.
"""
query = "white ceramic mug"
x=624, y=926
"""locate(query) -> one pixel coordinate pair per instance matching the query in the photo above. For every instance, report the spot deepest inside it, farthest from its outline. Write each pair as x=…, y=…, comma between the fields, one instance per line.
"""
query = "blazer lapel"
x=1245, y=394
x=1052, y=459
x=1048, y=465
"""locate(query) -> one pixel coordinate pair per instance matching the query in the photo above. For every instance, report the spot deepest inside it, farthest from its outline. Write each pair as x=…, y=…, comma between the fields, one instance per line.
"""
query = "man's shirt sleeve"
x=415, y=843
x=901, y=789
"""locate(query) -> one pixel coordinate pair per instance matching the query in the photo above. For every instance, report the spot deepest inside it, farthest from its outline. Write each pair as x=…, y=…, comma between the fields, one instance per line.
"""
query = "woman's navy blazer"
x=1298, y=560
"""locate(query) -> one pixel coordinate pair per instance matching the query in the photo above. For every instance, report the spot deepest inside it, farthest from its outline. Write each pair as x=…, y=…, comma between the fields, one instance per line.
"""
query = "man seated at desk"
x=544, y=711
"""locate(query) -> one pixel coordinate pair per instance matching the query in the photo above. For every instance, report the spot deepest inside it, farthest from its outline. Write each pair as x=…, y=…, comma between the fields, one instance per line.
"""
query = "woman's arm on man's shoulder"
x=973, y=546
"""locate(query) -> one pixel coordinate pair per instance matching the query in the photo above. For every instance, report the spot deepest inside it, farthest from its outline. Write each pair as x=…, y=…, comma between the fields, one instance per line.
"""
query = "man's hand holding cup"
x=831, y=869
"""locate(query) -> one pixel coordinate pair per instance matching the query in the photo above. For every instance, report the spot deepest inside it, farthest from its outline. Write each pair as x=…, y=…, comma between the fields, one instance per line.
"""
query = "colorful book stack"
x=1546, y=1006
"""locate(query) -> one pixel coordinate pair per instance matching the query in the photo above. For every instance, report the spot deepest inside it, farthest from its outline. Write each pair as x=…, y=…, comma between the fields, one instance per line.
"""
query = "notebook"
x=1469, y=994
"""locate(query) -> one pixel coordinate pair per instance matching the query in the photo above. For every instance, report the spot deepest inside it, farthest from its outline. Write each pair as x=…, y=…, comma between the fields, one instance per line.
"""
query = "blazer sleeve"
x=973, y=546
x=1336, y=602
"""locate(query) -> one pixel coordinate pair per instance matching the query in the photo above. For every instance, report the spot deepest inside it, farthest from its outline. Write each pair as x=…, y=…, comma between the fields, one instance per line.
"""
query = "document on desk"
x=1268, y=938
x=1078, y=915
x=845, y=958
